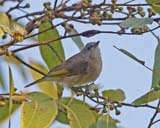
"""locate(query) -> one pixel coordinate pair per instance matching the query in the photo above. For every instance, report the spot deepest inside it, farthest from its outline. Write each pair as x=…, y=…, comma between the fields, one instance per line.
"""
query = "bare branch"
x=154, y=115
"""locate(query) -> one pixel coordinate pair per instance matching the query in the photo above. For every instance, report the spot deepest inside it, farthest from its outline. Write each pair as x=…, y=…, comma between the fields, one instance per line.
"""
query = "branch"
x=103, y=101
x=154, y=115
x=156, y=121
x=84, y=34
x=17, y=58
x=55, y=4
x=29, y=14
x=52, y=27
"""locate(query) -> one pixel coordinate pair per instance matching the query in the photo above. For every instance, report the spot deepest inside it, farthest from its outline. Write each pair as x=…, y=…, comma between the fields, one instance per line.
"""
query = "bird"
x=78, y=70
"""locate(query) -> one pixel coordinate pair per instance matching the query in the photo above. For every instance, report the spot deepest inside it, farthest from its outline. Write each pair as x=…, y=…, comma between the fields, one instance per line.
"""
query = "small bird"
x=80, y=69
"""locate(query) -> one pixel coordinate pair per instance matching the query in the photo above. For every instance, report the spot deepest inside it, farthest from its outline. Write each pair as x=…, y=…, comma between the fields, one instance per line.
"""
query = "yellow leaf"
x=4, y=24
x=38, y=113
x=48, y=87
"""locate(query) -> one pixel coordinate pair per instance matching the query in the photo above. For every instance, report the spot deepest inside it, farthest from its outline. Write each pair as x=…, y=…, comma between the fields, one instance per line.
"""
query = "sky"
x=119, y=71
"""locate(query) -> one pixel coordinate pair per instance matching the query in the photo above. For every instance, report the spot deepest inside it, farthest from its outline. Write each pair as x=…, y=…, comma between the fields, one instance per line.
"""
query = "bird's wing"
x=58, y=71
x=72, y=66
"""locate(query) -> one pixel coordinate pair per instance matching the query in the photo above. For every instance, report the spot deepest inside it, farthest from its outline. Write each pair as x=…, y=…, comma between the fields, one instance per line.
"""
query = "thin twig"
x=9, y=123
x=29, y=14
x=55, y=4
x=138, y=106
x=52, y=27
x=15, y=7
x=154, y=115
x=155, y=121
x=33, y=68
x=102, y=100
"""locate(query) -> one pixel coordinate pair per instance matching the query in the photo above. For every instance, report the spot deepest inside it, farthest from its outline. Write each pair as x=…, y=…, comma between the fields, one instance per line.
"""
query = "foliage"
x=42, y=108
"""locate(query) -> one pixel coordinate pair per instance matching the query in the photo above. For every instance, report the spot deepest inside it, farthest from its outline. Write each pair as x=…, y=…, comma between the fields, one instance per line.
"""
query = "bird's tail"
x=35, y=82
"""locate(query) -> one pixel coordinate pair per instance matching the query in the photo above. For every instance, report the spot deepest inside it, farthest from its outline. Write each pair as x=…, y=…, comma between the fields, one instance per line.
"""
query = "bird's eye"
x=89, y=47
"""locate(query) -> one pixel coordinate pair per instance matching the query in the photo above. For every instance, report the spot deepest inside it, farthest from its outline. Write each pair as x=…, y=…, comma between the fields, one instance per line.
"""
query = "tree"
x=47, y=27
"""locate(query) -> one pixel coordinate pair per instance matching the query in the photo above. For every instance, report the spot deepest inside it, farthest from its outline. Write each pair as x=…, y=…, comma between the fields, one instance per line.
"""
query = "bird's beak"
x=97, y=43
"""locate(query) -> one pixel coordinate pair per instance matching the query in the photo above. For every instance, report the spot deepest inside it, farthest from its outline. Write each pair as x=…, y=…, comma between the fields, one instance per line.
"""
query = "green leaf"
x=53, y=53
x=11, y=92
x=130, y=55
x=11, y=84
x=155, y=5
x=156, y=68
x=106, y=121
x=1, y=79
x=152, y=1
x=40, y=112
x=68, y=102
x=136, y=22
x=48, y=87
x=80, y=117
x=115, y=95
x=148, y=97
x=4, y=24
x=4, y=110
x=77, y=39
x=62, y=114
x=6, y=105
